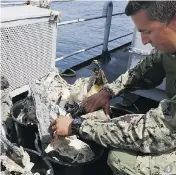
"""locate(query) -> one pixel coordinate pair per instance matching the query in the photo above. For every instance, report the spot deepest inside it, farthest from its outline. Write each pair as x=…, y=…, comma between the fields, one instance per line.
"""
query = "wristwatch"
x=75, y=125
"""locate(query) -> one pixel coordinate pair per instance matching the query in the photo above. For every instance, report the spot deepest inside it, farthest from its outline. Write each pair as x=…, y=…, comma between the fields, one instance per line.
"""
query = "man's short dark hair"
x=162, y=11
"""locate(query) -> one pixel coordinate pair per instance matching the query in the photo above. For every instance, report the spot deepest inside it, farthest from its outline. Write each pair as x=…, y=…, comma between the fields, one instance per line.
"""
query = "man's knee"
x=121, y=161
x=128, y=162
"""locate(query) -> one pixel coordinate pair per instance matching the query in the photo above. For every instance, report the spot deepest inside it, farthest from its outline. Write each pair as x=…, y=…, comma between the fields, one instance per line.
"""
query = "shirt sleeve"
x=153, y=132
x=147, y=74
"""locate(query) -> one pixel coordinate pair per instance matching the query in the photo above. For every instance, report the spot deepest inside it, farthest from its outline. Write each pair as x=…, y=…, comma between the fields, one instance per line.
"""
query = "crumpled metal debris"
x=98, y=79
x=6, y=103
x=11, y=167
x=11, y=150
x=74, y=109
x=53, y=97
x=14, y=159
x=27, y=114
x=46, y=93
x=47, y=109
x=70, y=146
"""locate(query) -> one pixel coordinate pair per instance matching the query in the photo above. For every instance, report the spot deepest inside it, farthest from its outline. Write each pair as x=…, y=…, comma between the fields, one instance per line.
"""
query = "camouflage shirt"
x=153, y=132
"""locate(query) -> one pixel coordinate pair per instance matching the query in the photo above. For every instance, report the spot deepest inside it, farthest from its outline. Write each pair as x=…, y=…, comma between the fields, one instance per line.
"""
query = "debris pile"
x=52, y=97
x=14, y=160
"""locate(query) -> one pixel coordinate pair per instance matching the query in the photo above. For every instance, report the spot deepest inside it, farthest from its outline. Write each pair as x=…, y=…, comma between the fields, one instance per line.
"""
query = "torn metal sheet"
x=53, y=97
x=72, y=148
x=11, y=166
x=13, y=158
x=46, y=94
x=6, y=103
x=27, y=114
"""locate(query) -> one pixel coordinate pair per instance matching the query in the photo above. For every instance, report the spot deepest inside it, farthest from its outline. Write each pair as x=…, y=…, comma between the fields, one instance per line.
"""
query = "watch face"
x=76, y=123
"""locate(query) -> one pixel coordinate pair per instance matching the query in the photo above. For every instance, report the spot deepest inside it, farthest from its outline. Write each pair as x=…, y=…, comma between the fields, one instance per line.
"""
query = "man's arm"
x=152, y=132
x=147, y=74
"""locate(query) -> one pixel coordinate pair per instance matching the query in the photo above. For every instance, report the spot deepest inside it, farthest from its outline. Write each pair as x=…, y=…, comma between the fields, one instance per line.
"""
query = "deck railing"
x=87, y=19
x=107, y=13
x=89, y=48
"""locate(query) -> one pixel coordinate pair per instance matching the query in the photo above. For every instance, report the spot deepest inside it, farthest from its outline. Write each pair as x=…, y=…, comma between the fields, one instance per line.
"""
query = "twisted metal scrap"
x=76, y=110
x=97, y=80
x=28, y=114
x=14, y=159
x=95, y=84
x=54, y=97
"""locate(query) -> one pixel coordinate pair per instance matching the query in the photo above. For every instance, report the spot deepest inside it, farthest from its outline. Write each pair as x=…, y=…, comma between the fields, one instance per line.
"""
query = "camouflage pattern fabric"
x=123, y=162
x=147, y=74
x=153, y=134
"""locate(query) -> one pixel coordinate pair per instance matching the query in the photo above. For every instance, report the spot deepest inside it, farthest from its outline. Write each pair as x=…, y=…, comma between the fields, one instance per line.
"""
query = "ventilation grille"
x=26, y=52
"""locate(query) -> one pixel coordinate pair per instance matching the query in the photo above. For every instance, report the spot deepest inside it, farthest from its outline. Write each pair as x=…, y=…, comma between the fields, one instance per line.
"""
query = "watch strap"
x=75, y=125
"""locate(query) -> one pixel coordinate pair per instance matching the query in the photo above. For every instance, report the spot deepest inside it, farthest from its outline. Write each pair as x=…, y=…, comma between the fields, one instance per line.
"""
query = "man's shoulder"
x=159, y=55
x=155, y=56
x=156, y=53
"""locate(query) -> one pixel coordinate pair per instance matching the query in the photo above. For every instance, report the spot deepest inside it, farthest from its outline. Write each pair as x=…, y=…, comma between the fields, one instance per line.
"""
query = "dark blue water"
x=73, y=37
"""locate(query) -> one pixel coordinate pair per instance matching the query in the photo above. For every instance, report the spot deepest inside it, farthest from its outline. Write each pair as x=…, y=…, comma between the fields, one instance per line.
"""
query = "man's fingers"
x=85, y=101
x=94, y=107
x=107, y=109
x=88, y=105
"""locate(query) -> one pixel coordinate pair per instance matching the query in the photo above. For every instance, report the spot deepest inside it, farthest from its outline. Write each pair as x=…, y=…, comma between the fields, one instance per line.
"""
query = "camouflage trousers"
x=131, y=163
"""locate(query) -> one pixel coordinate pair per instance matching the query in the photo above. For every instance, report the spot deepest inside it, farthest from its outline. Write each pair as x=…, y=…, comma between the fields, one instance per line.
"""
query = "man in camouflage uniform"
x=141, y=143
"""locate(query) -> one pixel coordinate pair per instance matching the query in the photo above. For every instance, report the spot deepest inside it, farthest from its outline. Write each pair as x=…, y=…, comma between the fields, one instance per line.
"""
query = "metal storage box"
x=137, y=52
x=28, y=43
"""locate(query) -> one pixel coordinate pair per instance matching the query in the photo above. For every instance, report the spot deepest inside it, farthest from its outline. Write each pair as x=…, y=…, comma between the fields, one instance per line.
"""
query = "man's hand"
x=100, y=99
x=61, y=126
